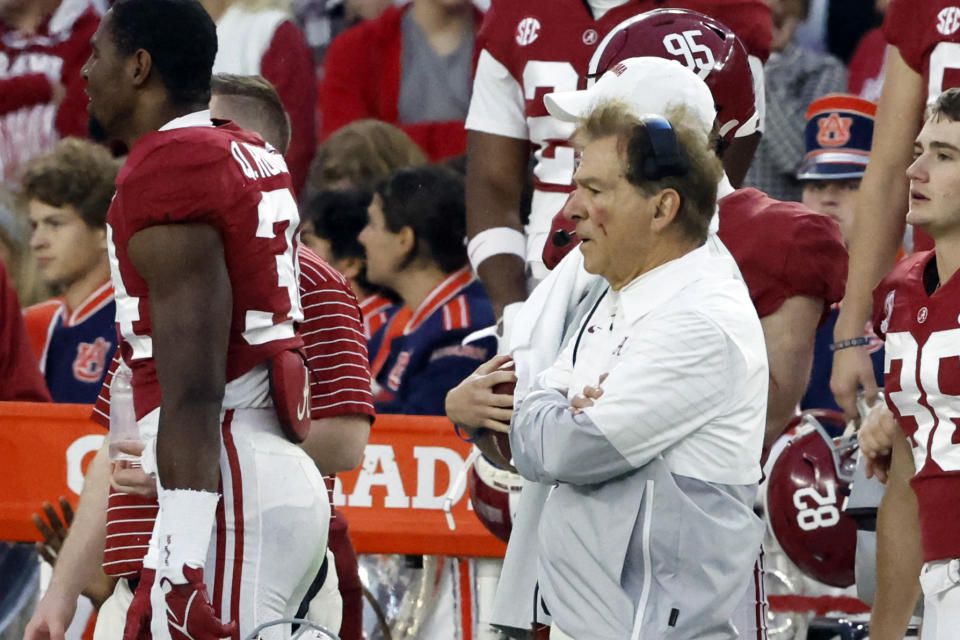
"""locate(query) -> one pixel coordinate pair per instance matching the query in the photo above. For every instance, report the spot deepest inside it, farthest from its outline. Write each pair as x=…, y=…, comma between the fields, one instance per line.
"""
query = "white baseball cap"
x=647, y=84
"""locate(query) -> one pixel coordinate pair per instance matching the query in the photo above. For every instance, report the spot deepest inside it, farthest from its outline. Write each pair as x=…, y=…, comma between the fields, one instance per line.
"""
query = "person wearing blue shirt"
x=414, y=245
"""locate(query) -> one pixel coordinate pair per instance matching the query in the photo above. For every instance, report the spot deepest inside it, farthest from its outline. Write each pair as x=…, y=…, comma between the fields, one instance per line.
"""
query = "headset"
x=654, y=152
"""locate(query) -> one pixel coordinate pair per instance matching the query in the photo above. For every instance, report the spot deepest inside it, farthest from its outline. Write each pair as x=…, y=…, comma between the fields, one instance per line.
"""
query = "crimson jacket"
x=362, y=80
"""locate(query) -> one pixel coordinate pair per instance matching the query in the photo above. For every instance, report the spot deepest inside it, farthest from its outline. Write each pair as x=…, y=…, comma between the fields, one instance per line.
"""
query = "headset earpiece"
x=653, y=149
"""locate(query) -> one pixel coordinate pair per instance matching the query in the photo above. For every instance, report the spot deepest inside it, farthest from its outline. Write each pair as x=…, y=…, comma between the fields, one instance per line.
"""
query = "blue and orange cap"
x=838, y=134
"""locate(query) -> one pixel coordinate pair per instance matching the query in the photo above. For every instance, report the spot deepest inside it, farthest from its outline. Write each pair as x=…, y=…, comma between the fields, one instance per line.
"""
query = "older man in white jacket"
x=649, y=423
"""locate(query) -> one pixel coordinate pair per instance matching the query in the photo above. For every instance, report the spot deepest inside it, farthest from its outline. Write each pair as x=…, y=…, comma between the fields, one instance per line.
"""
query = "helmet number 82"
x=820, y=512
x=696, y=57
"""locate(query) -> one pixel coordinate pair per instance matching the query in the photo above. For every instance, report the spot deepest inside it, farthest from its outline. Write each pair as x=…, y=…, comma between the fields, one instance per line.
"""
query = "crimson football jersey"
x=533, y=47
x=339, y=386
x=927, y=34
x=922, y=385
x=783, y=249
x=222, y=176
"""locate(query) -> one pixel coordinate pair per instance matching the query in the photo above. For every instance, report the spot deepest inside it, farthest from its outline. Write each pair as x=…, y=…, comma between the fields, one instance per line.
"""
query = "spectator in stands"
x=794, y=76
x=324, y=20
x=15, y=254
x=332, y=222
x=68, y=192
x=359, y=155
x=414, y=244
x=411, y=67
x=362, y=153
x=257, y=37
x=838, y=133
x=43, y=44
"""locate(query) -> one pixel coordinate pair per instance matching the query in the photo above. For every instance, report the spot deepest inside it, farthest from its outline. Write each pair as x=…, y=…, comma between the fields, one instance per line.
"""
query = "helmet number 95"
x=696, y=57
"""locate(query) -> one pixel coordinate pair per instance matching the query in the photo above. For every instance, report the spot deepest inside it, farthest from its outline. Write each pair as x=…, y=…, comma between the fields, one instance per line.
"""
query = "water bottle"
x=123, y=420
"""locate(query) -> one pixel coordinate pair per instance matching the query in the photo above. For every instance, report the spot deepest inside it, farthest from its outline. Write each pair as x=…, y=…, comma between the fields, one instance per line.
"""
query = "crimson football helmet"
x=806, y=494
x=702, y=44
x=494, y=493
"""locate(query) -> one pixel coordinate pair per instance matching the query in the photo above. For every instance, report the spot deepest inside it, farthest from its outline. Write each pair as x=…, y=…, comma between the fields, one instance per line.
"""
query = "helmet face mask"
x=702, y=44
x=806, y=494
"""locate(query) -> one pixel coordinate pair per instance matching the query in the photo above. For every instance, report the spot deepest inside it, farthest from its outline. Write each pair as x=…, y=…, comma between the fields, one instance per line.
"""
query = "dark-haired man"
x=201, y=236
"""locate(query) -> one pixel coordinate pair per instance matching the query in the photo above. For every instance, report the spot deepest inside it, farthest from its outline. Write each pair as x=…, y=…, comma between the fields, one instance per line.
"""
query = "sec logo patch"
x=528, y=30
x=948, y=20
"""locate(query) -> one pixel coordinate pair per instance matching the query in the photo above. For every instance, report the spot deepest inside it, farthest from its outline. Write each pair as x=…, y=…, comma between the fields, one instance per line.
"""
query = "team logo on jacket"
x=833, y=131
x=590, y=37
x=948, y=20
x=396, y=373
x=90, y=360
x=528, y=30
x=922, y=315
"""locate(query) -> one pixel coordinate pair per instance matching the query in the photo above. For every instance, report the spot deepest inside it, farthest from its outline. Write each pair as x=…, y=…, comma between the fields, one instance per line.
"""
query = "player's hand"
x=190, y=616
x=137, y=626
x=876, y=441
x=129, y=477
x=590, y=393
x=852, y=367
x=53, y=529
x=51, y=617
x=473, y=404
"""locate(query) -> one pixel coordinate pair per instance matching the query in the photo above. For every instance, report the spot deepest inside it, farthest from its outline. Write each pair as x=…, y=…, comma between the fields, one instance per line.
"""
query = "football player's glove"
x=190, y=616
x=137, y=626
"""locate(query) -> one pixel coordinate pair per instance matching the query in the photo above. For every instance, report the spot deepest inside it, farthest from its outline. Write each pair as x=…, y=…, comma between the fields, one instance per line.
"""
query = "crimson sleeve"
x=816, y=263
x=288, y=64
x=903, y=28
x=342, y=97
x=72, y=116
x=333, y=339
x=20, y=378
x=179, y=182
x=101, y=408
x=783, y=250
x=23, y=91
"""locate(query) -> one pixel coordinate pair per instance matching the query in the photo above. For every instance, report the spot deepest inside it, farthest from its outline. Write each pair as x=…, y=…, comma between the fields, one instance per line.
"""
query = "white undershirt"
x=600, y=7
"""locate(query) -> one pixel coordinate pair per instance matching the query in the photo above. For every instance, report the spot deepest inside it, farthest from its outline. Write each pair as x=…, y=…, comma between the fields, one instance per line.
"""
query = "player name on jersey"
x=257, y=162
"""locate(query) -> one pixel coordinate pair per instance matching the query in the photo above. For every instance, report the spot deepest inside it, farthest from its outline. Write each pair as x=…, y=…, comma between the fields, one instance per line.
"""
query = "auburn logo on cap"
x=833, y=130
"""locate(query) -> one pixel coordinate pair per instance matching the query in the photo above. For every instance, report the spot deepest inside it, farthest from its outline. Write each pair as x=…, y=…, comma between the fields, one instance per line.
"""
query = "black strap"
x=314, y=589
x=586, y=321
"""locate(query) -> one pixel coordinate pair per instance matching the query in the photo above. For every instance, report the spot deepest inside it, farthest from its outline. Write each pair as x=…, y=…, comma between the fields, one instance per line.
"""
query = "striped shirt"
x=340, y=385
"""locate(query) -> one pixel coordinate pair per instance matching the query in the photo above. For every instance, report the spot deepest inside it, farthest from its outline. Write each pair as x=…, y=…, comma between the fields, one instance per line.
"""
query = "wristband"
x=861, y=341
x=464, y=437
x=184, y=526
x=496, y=241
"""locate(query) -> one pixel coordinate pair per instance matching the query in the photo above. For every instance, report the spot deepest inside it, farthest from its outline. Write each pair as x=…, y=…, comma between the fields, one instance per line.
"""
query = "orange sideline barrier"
x=393, y=502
